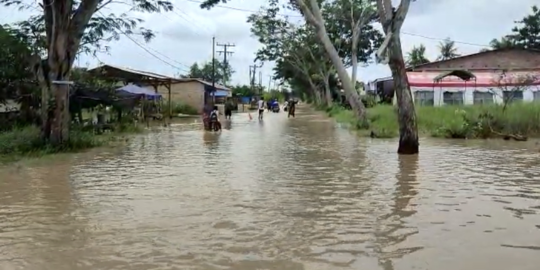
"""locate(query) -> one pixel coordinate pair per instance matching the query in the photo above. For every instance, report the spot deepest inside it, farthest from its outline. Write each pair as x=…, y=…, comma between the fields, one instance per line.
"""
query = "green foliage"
x=526, y=34
x=100, y=30
x=180, y=108
x=26, y=141
x=223, y=72
x=417, y=56
x=16, y=76
x=242, y=90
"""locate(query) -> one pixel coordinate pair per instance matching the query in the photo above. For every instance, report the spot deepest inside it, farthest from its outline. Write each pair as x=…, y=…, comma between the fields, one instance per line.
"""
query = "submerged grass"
x=26, y=142
x=473, y=121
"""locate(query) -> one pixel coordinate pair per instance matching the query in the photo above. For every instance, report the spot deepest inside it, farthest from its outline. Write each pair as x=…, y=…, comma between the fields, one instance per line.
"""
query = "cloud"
x=185, y=35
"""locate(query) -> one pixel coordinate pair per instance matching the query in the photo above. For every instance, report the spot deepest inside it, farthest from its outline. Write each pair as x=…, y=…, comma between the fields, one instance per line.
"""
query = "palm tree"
x=447, y=49
x=417, y=56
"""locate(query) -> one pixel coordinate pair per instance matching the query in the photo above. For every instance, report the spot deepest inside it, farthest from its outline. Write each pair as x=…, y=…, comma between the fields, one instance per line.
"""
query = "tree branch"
x=308, y=14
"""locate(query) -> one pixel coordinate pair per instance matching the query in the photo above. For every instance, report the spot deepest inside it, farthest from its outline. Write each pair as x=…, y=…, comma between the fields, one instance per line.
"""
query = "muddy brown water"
x=279, y=194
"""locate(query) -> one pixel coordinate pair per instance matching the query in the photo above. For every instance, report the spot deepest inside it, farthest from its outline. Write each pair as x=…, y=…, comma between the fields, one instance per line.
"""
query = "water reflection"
x=391, y=239
x=287, y=194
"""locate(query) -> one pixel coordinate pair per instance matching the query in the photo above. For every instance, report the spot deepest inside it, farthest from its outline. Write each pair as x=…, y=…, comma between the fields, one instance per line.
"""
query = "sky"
x=184, y=36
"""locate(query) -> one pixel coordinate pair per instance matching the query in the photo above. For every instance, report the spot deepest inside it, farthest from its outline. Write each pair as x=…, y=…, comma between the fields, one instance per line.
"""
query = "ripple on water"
x=277, y=194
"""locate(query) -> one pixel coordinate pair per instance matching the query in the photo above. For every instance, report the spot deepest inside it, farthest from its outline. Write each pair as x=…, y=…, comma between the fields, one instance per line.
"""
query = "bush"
x=369, y=101
x=27, y=140
x=179, y=108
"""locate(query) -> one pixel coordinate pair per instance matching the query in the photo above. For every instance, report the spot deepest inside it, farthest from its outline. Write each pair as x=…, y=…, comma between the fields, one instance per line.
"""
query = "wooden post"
x=170, y=98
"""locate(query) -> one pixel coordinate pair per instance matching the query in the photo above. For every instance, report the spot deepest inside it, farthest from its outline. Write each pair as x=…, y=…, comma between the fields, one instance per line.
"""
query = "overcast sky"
x=185, y=35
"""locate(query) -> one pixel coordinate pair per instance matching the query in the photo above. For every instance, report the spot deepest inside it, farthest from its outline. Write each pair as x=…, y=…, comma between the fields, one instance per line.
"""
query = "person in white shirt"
x=260, y=106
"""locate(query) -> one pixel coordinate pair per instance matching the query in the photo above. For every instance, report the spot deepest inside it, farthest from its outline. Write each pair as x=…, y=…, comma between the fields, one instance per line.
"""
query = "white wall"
x=528, y=94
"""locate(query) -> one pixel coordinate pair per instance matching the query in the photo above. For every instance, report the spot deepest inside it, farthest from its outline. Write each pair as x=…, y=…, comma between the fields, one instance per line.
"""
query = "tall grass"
x=473, y=121
x=26, y=141
x=179, y=108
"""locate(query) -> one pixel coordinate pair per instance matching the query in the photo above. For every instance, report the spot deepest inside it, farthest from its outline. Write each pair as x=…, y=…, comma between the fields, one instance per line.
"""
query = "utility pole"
x=252, y=76
x=270, y=77
x=225, y=53
x=213, y=70
x=260, y=79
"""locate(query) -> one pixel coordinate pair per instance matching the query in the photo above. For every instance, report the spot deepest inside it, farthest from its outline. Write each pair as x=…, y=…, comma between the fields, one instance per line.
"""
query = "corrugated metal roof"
x=161, y=77
x=137, y=72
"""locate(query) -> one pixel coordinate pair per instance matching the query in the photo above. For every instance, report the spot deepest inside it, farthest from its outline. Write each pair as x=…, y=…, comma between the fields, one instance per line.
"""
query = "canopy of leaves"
x=417, y=56
x=340, y=17
x=101, y=28
x=15, y=73
x=223, y=72
x=527, y=33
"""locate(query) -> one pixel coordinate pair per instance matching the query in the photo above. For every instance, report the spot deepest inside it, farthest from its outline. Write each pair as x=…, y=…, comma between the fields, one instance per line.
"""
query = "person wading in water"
x=228, y=109
x=260, y=106
x=291, y=107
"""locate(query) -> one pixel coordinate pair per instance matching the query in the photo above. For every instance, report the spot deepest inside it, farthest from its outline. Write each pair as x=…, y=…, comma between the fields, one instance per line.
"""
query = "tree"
x=68, y=27
x=221, y=72
x=242, y=90
x=512, y=85
x=16, y=78
x=417, y=56
x=447, y=50
x=300, y=59
x=350, y=22
x=527, y=33
x=15, y=71
x=390, y=52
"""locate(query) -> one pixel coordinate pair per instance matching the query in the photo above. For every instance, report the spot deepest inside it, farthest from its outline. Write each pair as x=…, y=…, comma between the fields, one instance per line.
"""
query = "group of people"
x=211, y=112
x=290, y=106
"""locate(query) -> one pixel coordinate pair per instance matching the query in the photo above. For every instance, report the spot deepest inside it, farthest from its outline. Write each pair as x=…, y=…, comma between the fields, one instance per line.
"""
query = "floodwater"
x=282, y=194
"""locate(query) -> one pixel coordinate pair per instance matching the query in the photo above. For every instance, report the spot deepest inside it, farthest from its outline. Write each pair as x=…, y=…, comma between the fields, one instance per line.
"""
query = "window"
x=536, y=96
x=482, y=97
x=453, y=98
x=424, y=98
x=512, y=96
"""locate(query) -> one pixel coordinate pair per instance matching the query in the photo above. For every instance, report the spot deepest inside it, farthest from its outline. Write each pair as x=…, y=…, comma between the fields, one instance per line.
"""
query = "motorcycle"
x=275, y=107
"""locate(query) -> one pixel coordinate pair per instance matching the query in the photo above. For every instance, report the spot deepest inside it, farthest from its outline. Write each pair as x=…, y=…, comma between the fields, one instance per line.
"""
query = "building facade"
x=192, y=92
x=498, y=76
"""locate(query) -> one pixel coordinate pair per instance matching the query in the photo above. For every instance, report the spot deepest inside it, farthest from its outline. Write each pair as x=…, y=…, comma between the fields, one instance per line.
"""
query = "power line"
x=145, y=49
x=299, y=16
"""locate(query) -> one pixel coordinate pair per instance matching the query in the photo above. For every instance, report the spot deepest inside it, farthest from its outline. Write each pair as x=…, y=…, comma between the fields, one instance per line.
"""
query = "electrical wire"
x=299, y=16
x=146, y=49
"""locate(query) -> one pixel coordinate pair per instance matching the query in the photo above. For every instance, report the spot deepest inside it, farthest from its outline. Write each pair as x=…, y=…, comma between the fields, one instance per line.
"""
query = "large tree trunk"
x=60, y=66
x=348, y=88
x=313, y=15
x=408, y=130
x=328, y=91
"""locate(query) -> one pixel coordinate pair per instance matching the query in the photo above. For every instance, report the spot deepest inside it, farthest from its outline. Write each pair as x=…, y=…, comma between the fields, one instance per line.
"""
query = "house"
x=191, y=91
x=484, y=77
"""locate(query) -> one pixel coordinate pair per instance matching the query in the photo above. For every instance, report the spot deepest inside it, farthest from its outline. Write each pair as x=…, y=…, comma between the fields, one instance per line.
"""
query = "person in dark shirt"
x=291, y=108
x=228, y=109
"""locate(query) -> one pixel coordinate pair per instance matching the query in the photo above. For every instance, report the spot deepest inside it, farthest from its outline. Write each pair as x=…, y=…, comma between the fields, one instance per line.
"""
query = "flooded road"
x=282, y=194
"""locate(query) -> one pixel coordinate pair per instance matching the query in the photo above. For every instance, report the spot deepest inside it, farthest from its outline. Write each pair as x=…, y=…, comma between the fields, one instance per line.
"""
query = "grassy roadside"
x=25, y=142
x=488, y=121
